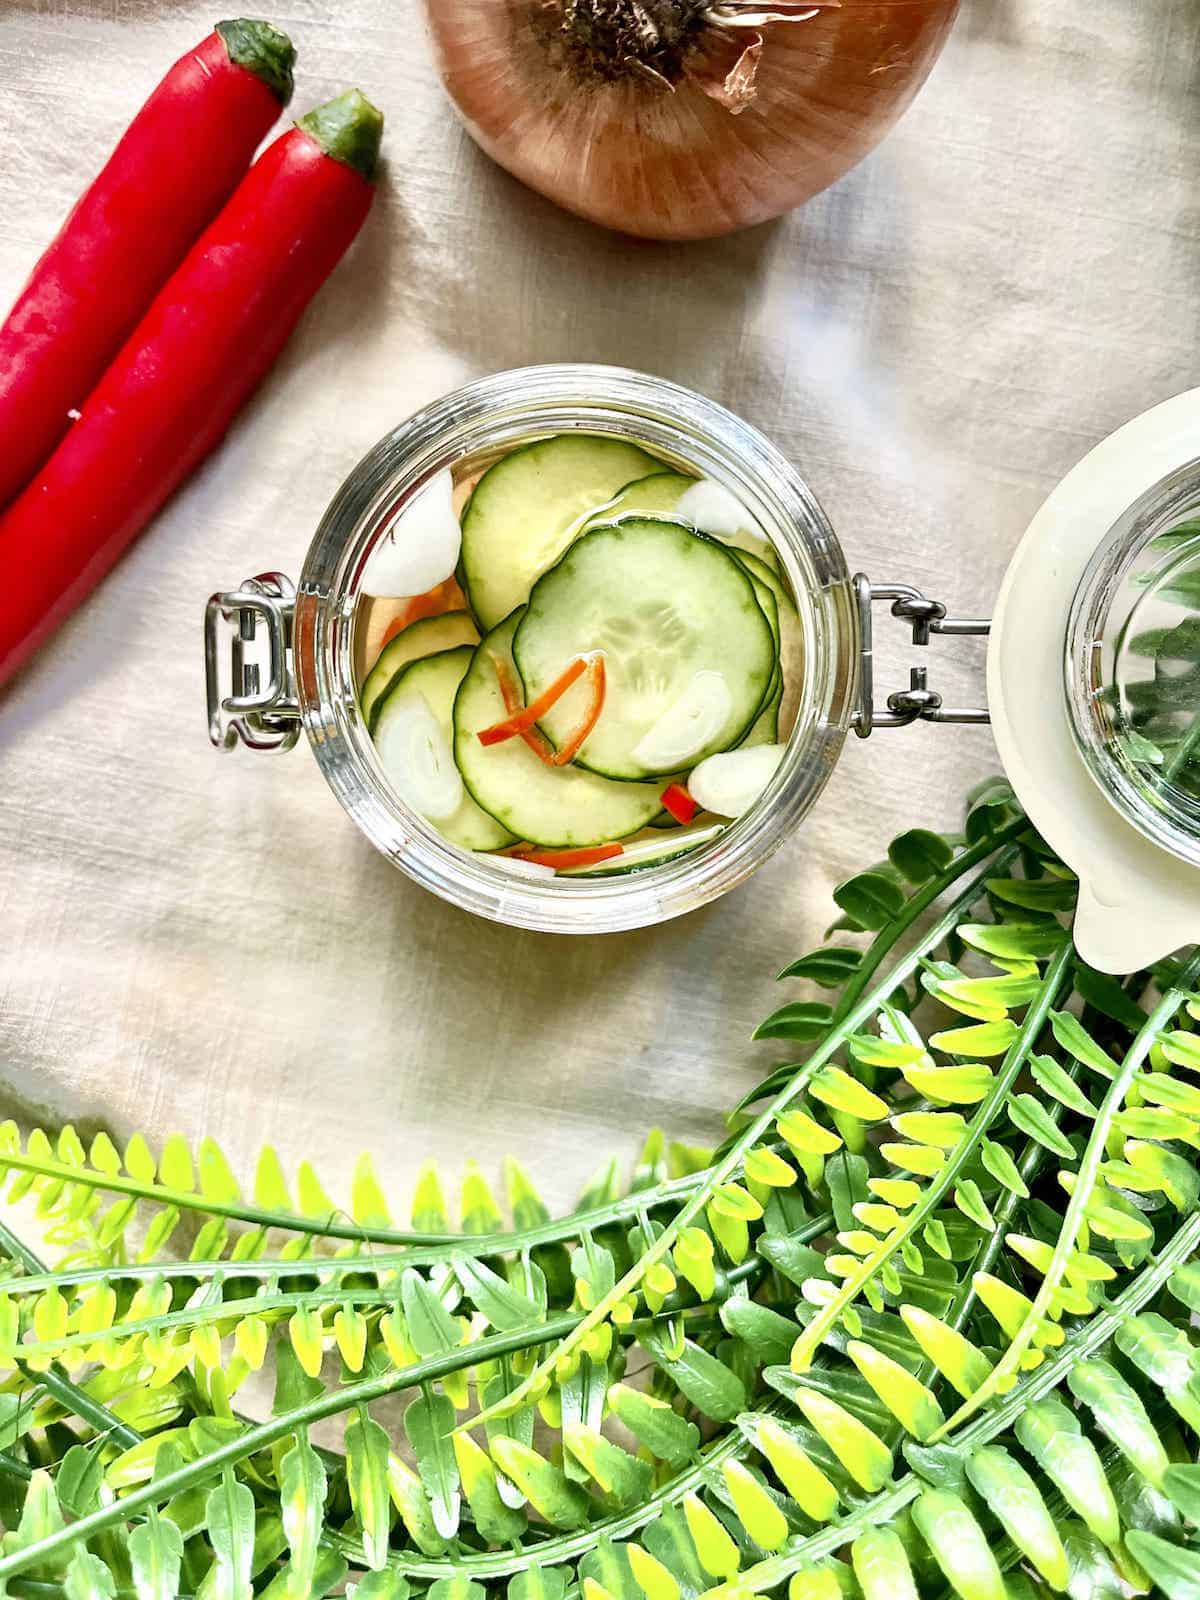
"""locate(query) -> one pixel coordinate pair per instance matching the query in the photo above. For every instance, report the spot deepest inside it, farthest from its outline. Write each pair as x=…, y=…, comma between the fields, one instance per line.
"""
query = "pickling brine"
x=577, y=657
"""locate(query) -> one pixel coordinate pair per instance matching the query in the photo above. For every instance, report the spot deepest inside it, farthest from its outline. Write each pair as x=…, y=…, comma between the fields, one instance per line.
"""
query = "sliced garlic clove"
x=712, y=508
x=730, y=783
x=417, y=758
x=685, y=728
x=421, y=548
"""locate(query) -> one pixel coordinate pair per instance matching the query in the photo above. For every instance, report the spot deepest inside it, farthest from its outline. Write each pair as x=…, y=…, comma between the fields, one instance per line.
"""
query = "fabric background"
x=206, y=943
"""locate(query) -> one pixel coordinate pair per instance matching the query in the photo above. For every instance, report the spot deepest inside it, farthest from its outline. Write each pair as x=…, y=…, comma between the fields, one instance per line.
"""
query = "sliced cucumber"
x=644, y=853
x=709, y=508
x=418, y=704
x=425, y=637
x=766, y=725
x=528, y=507
x=665, y=604
x=644, y=497
x=552, y=806
x=791, y=647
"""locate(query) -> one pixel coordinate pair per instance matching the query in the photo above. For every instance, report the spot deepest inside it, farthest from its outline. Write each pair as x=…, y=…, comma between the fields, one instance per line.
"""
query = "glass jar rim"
x=1095, y=612
x=501, y=410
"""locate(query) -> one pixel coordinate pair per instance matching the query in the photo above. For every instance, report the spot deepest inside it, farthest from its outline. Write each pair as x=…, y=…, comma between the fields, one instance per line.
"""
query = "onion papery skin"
x=631, y=155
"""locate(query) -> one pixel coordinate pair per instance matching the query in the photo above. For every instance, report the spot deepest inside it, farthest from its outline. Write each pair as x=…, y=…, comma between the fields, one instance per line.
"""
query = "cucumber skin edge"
x=705, y=538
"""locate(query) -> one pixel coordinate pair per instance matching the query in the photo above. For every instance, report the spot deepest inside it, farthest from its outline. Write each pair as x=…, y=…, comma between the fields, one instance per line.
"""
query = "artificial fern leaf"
x=881, y=1566
x=1120, y=1415
x=1008, y=1491
x=544, y=1485
x=88, y=1578
x=155, y=1557
x=216, y=1179
x=497, y=1522
x=716, y=1551
x=756, y=1511
x=428, y=1423
x=959, y=1546
x=229, y=1520
x=1173, y=1569
x=302, y=1487
x=793, y=1465
x=665, y=1434
x=367, y=1479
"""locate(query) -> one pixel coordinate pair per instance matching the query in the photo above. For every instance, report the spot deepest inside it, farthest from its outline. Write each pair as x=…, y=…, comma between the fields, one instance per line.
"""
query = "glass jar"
x=307, y=676
x=1133, y=664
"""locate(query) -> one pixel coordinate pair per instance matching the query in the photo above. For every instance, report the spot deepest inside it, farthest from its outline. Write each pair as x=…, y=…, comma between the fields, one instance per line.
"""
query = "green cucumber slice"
x=655, y=495
x=436, y=680
x=645, y=853
x=660, y=494
x=425, y=637
x=765, y=729
x=670, y=608
x=788, y=690
x=529, y=506
x=553, y=806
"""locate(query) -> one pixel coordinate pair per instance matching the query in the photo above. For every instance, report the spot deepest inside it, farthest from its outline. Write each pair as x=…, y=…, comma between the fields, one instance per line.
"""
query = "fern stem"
x=833, y=1041
x=420, y=1249
x=328, y=1404
x=913, y=908
x=275, y=1306
x=1085, y=1183
x=989, y=1110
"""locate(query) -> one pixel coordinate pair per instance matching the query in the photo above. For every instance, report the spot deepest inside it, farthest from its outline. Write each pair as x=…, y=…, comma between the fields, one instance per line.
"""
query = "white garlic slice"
x=730, y=783
x=685, y=728
x=712, y=508
x=417, y=758
x=421, y=548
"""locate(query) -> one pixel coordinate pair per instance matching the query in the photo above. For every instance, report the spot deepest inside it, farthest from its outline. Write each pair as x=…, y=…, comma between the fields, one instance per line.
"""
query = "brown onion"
x=683, y=119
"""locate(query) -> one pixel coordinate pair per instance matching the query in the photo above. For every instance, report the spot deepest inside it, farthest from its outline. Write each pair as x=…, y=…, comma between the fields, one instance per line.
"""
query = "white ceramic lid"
x=1138, y=901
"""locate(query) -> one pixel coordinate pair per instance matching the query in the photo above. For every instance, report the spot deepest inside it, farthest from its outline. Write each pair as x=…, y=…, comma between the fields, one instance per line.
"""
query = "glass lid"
x=1133, y=664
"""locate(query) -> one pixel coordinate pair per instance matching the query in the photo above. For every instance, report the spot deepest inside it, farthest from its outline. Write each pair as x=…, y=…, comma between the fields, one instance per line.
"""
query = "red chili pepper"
x=196, y=356
x=678, y=802
x=520, y=722
x=178, y=162
x=562, y=859
x=533, y=737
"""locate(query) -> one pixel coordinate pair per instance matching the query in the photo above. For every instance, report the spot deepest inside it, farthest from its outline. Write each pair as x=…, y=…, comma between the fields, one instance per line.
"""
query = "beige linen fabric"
x=205, y=943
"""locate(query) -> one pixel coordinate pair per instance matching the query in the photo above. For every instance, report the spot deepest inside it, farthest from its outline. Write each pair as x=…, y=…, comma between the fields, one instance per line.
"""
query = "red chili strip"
x=521, y=723
x=528, y=715
x=562, y=859
x=533, y=737
x=678, y=802
x=572, y=746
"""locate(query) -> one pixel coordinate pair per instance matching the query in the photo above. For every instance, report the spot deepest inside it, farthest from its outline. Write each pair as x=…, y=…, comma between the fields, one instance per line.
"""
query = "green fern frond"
x=920, y=1326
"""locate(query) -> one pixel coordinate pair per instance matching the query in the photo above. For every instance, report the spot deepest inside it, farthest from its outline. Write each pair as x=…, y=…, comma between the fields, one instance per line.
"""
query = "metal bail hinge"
x=263, y=715
x=917, y=703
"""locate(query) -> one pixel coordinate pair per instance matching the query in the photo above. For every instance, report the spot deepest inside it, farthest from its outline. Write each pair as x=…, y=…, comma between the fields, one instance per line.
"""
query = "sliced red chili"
x=562, y=859
x=678, y=802
x=521, y=723
x=533, y=737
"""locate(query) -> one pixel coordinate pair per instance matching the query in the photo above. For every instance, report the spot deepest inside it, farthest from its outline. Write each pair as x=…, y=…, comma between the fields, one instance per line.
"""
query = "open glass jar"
x=297, y=655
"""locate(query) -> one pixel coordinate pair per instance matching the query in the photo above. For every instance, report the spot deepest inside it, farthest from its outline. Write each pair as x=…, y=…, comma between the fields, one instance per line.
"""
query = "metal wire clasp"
x=917, y=703
x=264, y=716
